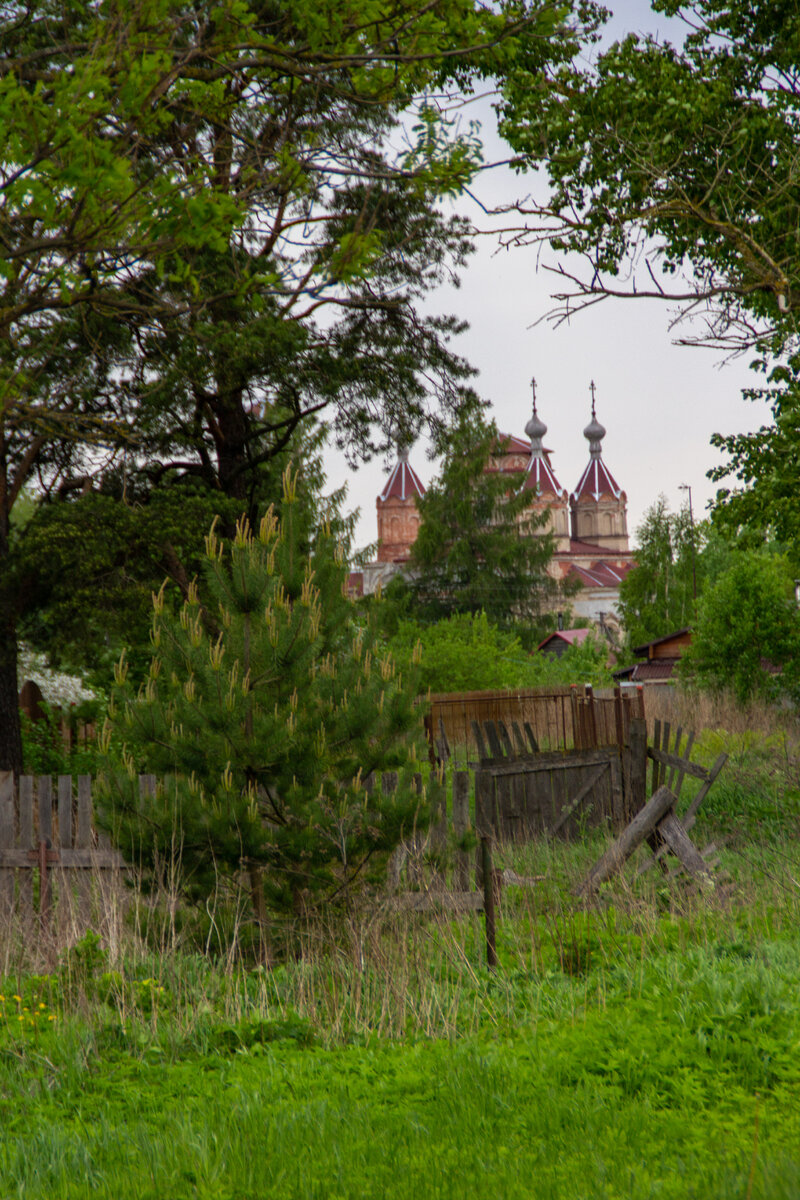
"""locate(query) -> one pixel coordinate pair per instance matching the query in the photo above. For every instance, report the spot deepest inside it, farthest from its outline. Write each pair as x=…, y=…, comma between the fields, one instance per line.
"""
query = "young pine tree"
x=267, y=706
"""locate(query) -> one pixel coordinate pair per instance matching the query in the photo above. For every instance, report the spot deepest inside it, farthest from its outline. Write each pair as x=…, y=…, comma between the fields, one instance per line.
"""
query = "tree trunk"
x=10, y=735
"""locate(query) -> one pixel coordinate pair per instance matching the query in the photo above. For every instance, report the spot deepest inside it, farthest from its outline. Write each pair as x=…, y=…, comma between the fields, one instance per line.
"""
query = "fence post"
x=460, y=827
x=488, y=900
x=635, y=768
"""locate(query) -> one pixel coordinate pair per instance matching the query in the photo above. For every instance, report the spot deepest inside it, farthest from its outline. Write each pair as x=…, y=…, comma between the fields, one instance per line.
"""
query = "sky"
x=660, y=402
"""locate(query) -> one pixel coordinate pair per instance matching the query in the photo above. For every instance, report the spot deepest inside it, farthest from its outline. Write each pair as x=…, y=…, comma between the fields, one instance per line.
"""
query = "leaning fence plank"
x=493, y=739
x=479, y=742
x=532, y=742
x=705, y=789
x=460, y=828
x=640, y=827
x=6, y=842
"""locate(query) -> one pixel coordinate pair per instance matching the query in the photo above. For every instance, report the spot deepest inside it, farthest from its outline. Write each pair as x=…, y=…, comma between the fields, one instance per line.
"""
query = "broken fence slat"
x=706, y=788
x=532, y=742
x=667, y=759
x=479, y=742
x=629, y=840
x=676, y=837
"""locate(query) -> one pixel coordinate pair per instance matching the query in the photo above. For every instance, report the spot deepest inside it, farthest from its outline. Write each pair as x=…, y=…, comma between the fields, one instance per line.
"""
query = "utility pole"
x=685, y=487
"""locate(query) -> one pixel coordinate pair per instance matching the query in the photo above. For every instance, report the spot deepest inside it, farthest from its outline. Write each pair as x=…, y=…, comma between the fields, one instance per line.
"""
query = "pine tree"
x=267, y=708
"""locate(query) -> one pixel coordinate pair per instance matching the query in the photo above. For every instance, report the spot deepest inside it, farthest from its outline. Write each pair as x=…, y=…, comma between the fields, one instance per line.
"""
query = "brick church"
x=589, y=525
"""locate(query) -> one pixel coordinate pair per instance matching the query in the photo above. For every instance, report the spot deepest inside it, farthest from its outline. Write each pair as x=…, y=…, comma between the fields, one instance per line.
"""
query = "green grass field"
x=647, y=1047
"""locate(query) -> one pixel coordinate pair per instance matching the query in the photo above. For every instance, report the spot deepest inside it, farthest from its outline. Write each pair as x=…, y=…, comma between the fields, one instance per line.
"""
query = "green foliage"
x=186, y=188
x=690, y=145
x=462, y=653
x=43, y=749
x=747, y=636
x=656, y=597
x=267, y=705
x=466, y=652
x=764, y=500
x=480, y=547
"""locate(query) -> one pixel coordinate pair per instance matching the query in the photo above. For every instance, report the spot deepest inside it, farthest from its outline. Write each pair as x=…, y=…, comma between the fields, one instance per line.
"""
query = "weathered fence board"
x=46, y=839
x=566, y=718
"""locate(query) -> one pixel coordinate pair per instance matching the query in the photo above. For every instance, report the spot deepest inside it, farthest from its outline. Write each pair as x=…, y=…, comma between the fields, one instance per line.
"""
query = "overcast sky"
x=659, y=402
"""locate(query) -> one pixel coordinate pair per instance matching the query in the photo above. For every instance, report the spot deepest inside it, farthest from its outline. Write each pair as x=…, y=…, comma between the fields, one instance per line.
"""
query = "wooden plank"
x=656, y=746
x=26, y=843
x=705, y=789
x=532, y=742
x=629, y=840
x=44, y=796
x=493, y=738
x=676, y=750
x=83, y=845
x=520, y=744
x=83, y=833
x=618, y=818
x=102, y=860
x=479, y=742
x=548, y=761
x=674, y=834
x=6, y=843
x=636, y=796
x=687, y=754
x=64, y=811
x=672, y=760
x=505, y=739
x=484, y=796
x=573, y=805
x=64, y=910
x=442, y=744
x=461, y=780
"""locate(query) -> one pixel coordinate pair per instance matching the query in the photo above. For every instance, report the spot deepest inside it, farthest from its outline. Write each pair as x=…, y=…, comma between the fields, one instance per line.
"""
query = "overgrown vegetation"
x=381, y=1057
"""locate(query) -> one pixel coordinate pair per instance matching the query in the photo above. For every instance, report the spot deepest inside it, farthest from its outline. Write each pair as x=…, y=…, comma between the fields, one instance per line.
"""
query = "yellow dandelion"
x=42, y=1006
x=18, y=999
x=20, y=1017
x=51, y=1017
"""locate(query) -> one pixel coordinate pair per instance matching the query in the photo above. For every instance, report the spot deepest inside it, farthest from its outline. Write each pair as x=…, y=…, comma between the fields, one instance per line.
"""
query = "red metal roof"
x=403, y=483
x=596, y=481
x=508, y=443
x=659, y=670
x=541, y=477
x=573, y=637
x=600, y=574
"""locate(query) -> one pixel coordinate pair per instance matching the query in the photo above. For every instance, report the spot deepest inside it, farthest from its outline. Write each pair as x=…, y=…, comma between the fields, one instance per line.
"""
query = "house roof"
x=668, y=637
x=403, y=483
x=541, y=477
x=656, y=671
x=600, y=574
x=509, y=443
x=574, y=637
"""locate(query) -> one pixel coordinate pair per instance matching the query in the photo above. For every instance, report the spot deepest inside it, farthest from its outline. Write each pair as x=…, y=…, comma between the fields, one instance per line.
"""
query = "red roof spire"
x=403, y=483
x=596, y=479
x=541, y=477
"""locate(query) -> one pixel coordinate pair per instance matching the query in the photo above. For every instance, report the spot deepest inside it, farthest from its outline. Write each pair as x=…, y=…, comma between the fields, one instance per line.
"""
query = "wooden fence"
x=569, y=718
x=50, y=854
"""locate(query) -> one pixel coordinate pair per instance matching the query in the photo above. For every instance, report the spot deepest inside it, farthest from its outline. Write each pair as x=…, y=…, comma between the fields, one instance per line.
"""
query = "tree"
x=766, y=502
x=683, y=157
x=267, y=706
x=748, y=631
x=480, y=546
x=657, y=596
x=462, y=653
x=185, y=188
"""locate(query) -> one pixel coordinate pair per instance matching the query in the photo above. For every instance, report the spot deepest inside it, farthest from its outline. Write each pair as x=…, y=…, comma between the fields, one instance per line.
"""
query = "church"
x=589, y=525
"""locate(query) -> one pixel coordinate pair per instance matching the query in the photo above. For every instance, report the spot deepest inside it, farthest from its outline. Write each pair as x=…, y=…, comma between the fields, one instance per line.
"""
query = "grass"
x=645, y=1047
